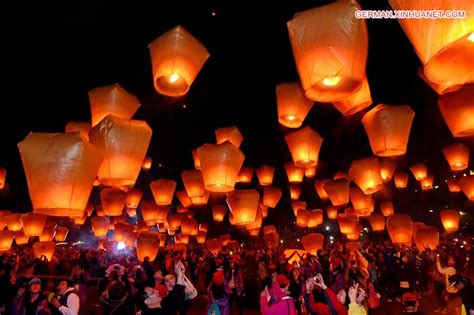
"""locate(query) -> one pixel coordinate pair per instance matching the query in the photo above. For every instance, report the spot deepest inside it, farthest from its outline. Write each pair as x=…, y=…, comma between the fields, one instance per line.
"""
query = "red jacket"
x=324, y=309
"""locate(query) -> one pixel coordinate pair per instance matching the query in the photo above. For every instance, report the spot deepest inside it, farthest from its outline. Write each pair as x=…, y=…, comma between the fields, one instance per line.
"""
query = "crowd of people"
x=337, y=280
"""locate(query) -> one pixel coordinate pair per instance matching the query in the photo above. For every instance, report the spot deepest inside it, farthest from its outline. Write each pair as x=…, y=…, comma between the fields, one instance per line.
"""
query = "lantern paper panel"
x=457, y=155
x=427, y=183
x=243, y=205
x=467, y=186
x=316, y=218
x=304, y=145
x=302, y=217
x=100, y=226
x=13, y=221
x=192, y=180
x=292, y=104
x=21, y=238
x=45, y=249
x=295, y=191
x=3, y=175
x=310, y=172
x=296, y=205
x=147, y=162
x=148, y=244
x=271, y=196
x=450, y=219
x=295, y=173
x=356, y=102
x=319, y=186
x=245, y=175
x=337, y=191
x=33, y=223
x=331, y=212
x=366, y=174
x=134, y=196
x=231, y=134
x=47, y=234
x=361, y=202
x=79, y=126
x=377, y=221
x=420, y=171
x=453, y=185
x=387, y=208
x=265, y=175
x=61, y=233
x=400, y=228
x=6, y=239
x=113, y=201
x=218, y=212
x=387, y=168
x=401, y=180
x=457, y=109
x=268, y=229
x=347, y=223
x=163, y=191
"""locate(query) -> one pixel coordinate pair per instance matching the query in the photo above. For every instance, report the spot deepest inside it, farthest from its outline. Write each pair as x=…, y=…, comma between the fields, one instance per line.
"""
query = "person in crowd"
x=235, y=279
x=67, y=301
x=219, y=293
x=30, y=300
x=465, y=290
x=278, y=301
x=79, y=279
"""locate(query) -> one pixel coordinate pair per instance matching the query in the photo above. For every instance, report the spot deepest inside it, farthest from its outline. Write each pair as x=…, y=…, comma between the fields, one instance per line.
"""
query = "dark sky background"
x=54, y=56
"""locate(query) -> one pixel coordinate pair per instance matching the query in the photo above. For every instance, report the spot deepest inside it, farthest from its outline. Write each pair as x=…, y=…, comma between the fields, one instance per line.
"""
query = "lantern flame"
x=173, y=78
x=331, y=81
x=471, y=37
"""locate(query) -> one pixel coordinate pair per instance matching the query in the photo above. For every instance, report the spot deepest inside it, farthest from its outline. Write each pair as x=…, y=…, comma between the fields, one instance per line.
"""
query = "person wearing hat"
x=149, y=300
x=465, y=291
x=68, y=302
x=282, y=304
x=31, y=302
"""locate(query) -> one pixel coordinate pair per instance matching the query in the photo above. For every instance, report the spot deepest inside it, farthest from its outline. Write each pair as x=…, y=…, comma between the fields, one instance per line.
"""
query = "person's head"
x=77, y=270
x=170, y=281
x=284, y=283
x=295, y=273
x=63, y=285
x=158, y=276
x=34, y=286
x=341, y=296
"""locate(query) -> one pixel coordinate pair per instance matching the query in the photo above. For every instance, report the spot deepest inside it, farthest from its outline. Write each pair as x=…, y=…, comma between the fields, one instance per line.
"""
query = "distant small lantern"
x=388, y=128
x=377, y=221
x=3, y=175
x=147, y=162
x=337, y=191
x=400, y=228
x=331, y=212
x=467, y=186
x=341, y=174
x=134, y=196
x=387, y=168
x=427, y=183
x=271, y=196
x=265, y=175
x=61, y=233
x=45, y=249
x=401, y=180
x=387, y=208
x=295, y=191
x=79, y=126
x=13, y=221
x=450, y=219
x=21, y=238
x=177, y=57
x=312, y=242
x=231, y=134
x=304, y=145
x=302, y=217
x=295, y=173
x=148, y=244
x=319, y=186
x=310, y=172
x=218, y=212
x=269, y=229
x=192, y=180
x=347, y=223
x=296, y=205
x=292, y=104
x=254, y=232
x=203, y=227
x=363, y=204
x=201, y=237
x=426, y=237
x=197, y=162
x=6, y=239
x=100, y=226
x=420, y=171
x=163, y=191
x=33, y=223
x=243, y=204
x=457, y=156
x=201, y=200
x=113, y=201
x=330, y=48
x=457, y=109
x=316, y=218
x=189, y=226
x=355, y=235
x=47, y=234
x=184, y=198
x=453, y=185
x=245, y=175
x=366, y=174
x=355, y=102
x=150, y=212
x=220, y=165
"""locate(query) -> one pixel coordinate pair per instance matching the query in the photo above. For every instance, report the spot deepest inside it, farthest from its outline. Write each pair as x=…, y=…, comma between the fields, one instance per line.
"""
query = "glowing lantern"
x=3, y=175
x=113, y=201
x=363, y=204
x=201, y=200
x=401, y=179
x=220, y=165
x=265, y=175
x=21, y=238
x=295, y=191
x=6, y=239
x=458, y=111
x=214, y=246
x=147, y=162
x=184, y=198
x=141, y=226
x=264, y=209
x=453, y=185
x=331, y=212
x=387, y=208
x=82, y=127
x=193, y=183
x=347, y=223
x=426, y=237
x=203, y=227
x=33, y=223
x=174, y=221
x=388, y=128
x=312, y=242
x=45, y=249
x=450, y=220
x=303, y=217
x=148, y=244
x=319, y=186
x=467, y=186
x=310, y=172
x=271, y=240
x=60, y=171
x=366, y=174
x=330, y=49
x=99, y=211
x=292, y=105
x=316, y=218
x=100, y=226
x=225, y=239
x=294, y=255
x=377, y=221
x=457, y=156
x=218, y=212
x=197, y=162
x=201, y=237
x=337, y=191
x=176, y=58
x=61, y=233
x=271, y=196
x=304, y=145
x=231, y=134
x=420, y=171
x=416, y=226
x=47, y=234
x=181, y=209
x=189, y=226
x=355, y=102
x=269, y=229
x=387, y=168
x=163, y=191
x=341, y=174
x=295, y=174
x=297, y=205
x=133, y=198
x=121, y=230
x=354, y=236
x=257, y=223
x=13, y=221
x=254, y=232
x=79, y=220
x=243, y=205
x=400, y=228
x=162, y=227
x=150, y=212
x=444, y=48
x=123, y=144
x=427, y=183
x=245, y=175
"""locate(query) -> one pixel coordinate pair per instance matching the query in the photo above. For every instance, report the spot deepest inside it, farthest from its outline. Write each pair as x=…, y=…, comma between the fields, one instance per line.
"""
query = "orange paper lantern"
x=3, y=175
x=113, y=201
x=134, y=196
x=363, y=204
x=269, y=229
x=61, y=234
x=265, y=175
x=177, y=57
x=387, y=168
x=310, y=172
x=401, y=179
x=192, y=180
x=450, y=220
x=304, y=145
x=78, y=126
x=243, y=205
x=426, y=237
x=453, y=185
x=147, y=162
x=184, y=198
x=354, y=236
x=218, y=212
x=366, y=174
x=377, y=221
x=296, y=205
x=148, y=244
x=420, y=171
x=214, y=246
x=45, y=249
x=6, y=239
x=79, y=220
x=163, y=191
x=400, y=228
x=302, y=218
x=47, y=234
x=197, y=162
x=292, y=104
x=150, y=212
x=257, y=223
x=201, y=237
x=271, y=196
x=21, y=238
x=312, y=242
x=295, y=191
x=33, y=223
x=387, y=208
x=100, y=226
x=355, y=102
x=254, y=232
x=272, y=240
x=316, y=218
x=467, y=186
x=201, y=200
x=337, y=191
x=427, y=183
x=189, y=226
x=458, y=111
x=245, y=175
x=347, y=223
x=319, y=186
x=330, y=48
x=231, y=134
x=331, y=212
x=13, y=221
x=295, y=174
x=457, y=156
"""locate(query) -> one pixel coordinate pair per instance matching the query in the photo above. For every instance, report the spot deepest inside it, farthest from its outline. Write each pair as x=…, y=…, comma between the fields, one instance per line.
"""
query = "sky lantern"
x=427, y=183
x=330, y=48
x=201, y=200
x=225, y=239
x=150, y=212
x=257, y=223
x=272, y=240
x=254, y=232
x=269, y=229
x=162, y=214
x=60, y=170
x=363, y=204
x=302, y=217
x=292, y=104
x=400, y=228
x=79, y=126
x=13, y=221
x=310, y=172
x=341, y=174
x=147, y=162
x=100, y=226
x=3, y=213
x=243, y=205
x=295, y=173
x=331, y=212
x=354, y=236
x=201, y=237
x=355, y=102
x=47, y=234
x=163, y=191
x=141, y=226
x=182, y=238
x=21, y=238
x=61, y=233
x=245, y=175
x=294, y=255
x=148, y=244
x=264, y=209
x=416, y=226
x=387, y=208
x=426, y=237
x=45, y=249
x=112, y=100
x=214, y=246
x=316, y=218
x=388, y=128
x=123, y=143
x=184, y=198
x=220, y=165
x=113, y=201
x=467, y=186
x=203, y=227
x=457, y=155
x=319, y=186
x=231, y=134
x=176, y=57
x=453, y=185
x=387, y=168
x=33, y=223
x=312, y=242
x=174, y=221
x=420, y=171
x=6, y=239
x=445, y=48
x=134, y=196
x=192, y=180
x=295, y=191
x=181, y=209
x=347, y=222
x=337, y=191
x=450, y=220
x=366, y=174
x=271, y=196
x=121, y=230
x=79, y=220
x=304, y=145
x=377, y=221
x=197, y=162
x=218, y=212
x=265, y=175
x=401, y=180
x=457, y=109
x=189, y=226
x=3, y=175
x=297, y=205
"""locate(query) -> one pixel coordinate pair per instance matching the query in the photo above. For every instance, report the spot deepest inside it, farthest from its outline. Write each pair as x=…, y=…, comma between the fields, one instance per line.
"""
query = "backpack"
x=214, y=310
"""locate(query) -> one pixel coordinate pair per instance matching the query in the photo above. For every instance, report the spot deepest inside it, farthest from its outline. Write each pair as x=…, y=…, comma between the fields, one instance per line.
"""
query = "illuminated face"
x=62, y=287
x=341, y=296
x=170, y=282
x=35, y=287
